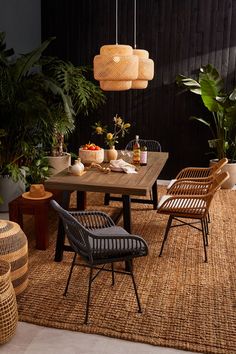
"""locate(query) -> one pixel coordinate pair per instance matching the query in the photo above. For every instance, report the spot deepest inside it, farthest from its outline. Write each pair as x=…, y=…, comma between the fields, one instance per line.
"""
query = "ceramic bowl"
x=89, y=156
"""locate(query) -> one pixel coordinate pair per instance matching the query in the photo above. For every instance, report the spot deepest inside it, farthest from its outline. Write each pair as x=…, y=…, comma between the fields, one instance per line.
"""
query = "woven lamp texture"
x=115, y=85
x=8, y=305
x=115, y=63
x=145, y=69
x=14, y=249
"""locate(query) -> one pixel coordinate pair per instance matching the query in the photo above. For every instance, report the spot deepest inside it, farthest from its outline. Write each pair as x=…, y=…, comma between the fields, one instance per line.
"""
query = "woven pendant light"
x=145, y=65
x=145, y=69
x=116, y=66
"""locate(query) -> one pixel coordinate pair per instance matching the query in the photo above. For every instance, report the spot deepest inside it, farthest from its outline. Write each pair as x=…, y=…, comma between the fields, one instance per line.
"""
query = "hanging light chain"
x=116, y=21
x=135, y=24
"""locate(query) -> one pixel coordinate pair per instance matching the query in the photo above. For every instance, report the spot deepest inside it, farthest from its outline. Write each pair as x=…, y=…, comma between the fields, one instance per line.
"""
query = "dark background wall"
x=180, y=35
x=21, y=20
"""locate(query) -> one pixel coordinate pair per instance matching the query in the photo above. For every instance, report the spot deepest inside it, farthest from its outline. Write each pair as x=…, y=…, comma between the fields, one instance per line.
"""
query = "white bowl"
x=89, y=156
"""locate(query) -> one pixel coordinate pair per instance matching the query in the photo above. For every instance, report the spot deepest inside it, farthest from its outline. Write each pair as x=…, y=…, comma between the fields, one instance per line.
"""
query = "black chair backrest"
x=77, y=234
x=152, y=145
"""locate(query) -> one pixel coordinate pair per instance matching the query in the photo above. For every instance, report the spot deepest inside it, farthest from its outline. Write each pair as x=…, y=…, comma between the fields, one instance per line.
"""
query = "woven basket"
x=14, y=249
x=8, y=305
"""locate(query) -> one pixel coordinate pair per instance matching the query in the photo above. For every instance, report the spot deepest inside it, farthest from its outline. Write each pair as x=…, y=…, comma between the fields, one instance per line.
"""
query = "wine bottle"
x=136, y=151
x=143, y=156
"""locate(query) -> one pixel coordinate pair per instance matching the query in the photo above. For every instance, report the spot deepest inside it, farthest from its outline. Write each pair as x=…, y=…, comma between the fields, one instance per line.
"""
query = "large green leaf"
x=191, y=84
x=26, y=62
x=232, y=96
x=211, y=87
x=201, y=120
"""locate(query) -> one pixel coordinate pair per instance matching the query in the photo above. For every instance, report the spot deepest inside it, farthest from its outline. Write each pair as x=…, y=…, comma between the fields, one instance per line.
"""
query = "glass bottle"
x=136, y=151
x=143, y=156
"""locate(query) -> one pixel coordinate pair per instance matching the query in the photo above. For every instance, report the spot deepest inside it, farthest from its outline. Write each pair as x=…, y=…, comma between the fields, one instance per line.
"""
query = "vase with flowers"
x=111, y=138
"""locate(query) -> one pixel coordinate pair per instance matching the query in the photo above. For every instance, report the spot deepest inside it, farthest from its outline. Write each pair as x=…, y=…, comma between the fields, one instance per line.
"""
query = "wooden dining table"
x=118, y=183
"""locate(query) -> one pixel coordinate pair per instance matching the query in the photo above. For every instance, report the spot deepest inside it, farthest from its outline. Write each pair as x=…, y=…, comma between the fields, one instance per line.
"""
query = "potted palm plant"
x=36, y=105
x=222, y=123
x=84, y=97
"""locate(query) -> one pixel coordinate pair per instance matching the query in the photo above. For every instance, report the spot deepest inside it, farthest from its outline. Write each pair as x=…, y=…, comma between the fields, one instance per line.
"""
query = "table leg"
x=81, y=200
x=154, y=195
x=127, y=212
x=61, y=232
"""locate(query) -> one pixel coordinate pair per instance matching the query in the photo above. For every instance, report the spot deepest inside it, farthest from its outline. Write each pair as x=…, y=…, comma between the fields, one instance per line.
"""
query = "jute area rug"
x=187, y=304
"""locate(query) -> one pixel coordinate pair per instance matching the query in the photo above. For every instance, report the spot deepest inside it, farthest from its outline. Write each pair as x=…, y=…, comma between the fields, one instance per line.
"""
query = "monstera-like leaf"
x=222, y=105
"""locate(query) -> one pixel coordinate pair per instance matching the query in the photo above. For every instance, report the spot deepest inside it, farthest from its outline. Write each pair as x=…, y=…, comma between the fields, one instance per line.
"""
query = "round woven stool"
x=8, y=305
x=14, y=249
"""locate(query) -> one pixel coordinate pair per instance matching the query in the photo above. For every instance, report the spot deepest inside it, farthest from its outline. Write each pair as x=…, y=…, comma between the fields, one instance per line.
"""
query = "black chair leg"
x=136, y=292
x=166, y=233
x=71, y=270
x=207, y=227
x=106, y=199
x=208, y=217
x=112, y=274
x=206, y=230
x=204, y=238
x=88, y=296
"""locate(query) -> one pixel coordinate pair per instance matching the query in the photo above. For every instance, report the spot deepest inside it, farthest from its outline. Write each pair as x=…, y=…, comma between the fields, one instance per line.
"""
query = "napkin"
x=121, y=165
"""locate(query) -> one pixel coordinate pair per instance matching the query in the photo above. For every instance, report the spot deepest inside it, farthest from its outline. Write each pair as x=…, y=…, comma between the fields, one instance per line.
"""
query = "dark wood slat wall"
x=180, y=37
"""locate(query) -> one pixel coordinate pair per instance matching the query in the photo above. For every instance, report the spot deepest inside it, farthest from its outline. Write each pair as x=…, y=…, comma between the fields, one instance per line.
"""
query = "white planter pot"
x=231, y=168
x=59, y=163
x=9, y=190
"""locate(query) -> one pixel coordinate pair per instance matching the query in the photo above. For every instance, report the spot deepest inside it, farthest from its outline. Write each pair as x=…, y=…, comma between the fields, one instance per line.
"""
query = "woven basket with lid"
x=8, y=305
x=14, y=249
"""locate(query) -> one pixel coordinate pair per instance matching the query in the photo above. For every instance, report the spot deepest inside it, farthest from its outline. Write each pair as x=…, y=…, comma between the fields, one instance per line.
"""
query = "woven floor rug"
x=187, y=304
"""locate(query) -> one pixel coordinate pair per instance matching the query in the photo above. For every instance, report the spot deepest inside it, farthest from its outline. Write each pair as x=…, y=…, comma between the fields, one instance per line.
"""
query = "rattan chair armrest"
x=194, y=172
x=93, y=219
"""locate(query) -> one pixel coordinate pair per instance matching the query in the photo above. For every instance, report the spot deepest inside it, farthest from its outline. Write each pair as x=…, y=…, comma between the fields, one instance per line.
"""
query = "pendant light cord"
x=116, y=21
x=135, y=24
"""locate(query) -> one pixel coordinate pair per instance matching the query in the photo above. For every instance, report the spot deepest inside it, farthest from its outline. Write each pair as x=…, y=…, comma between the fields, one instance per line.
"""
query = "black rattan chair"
x=152, y=145
x=98, y=241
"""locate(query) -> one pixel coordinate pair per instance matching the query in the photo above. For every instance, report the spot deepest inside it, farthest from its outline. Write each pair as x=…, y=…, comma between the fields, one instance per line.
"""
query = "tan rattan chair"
x=98, y=241
x=199, y=173
x=194, y=204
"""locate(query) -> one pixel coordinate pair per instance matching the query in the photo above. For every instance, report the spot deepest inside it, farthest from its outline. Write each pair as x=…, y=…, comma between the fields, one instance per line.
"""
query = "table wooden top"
x=113, y=182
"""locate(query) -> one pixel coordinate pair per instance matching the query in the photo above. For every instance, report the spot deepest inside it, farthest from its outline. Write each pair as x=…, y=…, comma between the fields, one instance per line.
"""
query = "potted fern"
x=84, y=97
x=222, y=105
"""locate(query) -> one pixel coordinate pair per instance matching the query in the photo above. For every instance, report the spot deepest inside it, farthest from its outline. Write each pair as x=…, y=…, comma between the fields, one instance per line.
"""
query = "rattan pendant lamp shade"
x=145, y=65
x=116, y=66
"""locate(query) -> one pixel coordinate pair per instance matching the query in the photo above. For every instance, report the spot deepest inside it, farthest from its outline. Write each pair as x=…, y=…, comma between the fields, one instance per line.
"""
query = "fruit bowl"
x=91, y=153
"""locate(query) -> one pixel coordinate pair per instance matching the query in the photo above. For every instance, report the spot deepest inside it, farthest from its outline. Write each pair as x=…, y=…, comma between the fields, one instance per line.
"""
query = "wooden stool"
x=39, y=208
